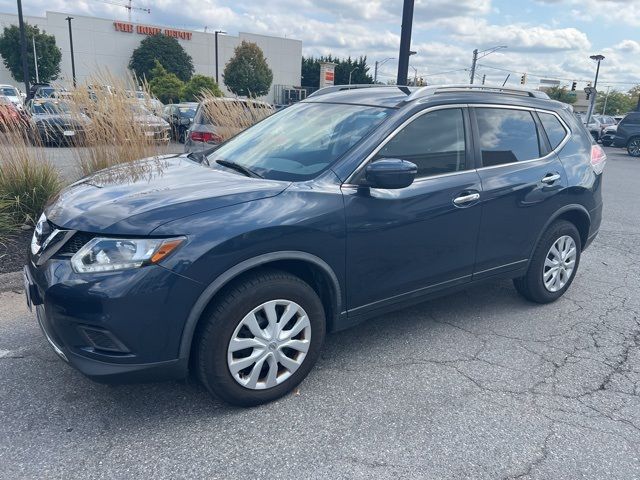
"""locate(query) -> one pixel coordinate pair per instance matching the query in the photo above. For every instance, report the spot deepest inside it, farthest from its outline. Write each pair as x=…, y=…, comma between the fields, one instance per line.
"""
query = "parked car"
x=604, y=121
x=11, y=118
x=232, y=115
x=12, y=94
x=54, y=122
x=43, y=91
x=152, y=104
x=338, y=209
x=152, y=125
x=628, y=134
x=608, y=135
x=179, y=117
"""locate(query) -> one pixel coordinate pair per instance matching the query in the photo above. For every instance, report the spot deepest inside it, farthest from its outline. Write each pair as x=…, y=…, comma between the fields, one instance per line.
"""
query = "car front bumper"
x=118, y=327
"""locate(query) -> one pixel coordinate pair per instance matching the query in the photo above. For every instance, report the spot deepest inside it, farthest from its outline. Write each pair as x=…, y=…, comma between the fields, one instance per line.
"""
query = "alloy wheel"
x=559, y=263
x=269, y=344
x=634, y=147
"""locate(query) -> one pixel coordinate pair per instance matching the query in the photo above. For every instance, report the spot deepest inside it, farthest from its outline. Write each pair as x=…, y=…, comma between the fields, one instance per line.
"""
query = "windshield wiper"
x=239, y=168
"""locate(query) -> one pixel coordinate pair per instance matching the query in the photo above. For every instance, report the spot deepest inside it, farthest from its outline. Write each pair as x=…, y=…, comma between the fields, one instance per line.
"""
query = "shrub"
x=26, y=185
x=198, y=86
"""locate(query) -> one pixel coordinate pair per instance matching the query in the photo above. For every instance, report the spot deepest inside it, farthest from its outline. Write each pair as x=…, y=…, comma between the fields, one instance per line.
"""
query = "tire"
x=226, y=322
x=633, y=147
x=532, y=285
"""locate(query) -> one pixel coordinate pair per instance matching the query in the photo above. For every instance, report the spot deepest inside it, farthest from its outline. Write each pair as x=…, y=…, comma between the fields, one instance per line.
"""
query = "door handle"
x=470, y=197
x=550, y=177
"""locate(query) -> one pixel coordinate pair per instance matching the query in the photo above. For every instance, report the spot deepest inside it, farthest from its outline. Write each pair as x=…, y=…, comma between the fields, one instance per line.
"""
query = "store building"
x=101, y=45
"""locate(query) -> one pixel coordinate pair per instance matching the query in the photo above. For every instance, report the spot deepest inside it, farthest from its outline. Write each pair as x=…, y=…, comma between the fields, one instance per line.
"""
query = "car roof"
x=399, y=96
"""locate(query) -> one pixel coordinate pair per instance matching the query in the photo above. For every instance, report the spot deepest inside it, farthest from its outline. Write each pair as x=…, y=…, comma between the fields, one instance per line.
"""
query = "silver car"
x=219, y=119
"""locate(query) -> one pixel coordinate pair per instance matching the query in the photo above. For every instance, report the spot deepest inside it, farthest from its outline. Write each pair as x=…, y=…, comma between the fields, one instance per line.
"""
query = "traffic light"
x=573, y=86
x=523, y=79
x=588, y=94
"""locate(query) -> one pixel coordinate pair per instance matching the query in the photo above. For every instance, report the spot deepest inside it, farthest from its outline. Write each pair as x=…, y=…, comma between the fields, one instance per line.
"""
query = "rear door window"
x=554, y=129
x=506, y=136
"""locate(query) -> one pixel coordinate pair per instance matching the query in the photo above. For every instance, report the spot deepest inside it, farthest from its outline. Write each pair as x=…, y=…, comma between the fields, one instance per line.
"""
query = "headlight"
x=108, y=254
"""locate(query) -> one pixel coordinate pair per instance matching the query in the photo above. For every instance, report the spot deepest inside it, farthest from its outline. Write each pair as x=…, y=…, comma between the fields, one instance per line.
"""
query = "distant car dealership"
x=101, y=44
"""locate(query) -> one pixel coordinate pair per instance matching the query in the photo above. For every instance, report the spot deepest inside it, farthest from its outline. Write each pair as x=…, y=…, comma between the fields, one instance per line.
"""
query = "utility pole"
x=606, y=98
x=473, y=65
x=23, y=49
x=484, y=77
x=405, y=42
x=73, y=62
x=379, y=64
x=478, y=55
x=597, y=58
x=35, y=58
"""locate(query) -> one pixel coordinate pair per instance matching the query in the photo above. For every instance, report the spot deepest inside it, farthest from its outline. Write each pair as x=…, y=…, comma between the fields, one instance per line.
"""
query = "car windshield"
x=188, y=112
x=8, y=91
x=301, y=141
x=45, y=92
x=50, y=108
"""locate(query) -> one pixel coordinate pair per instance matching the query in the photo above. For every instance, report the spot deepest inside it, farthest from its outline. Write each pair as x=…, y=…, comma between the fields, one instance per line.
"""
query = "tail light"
x=598, y=159
x=205, y=137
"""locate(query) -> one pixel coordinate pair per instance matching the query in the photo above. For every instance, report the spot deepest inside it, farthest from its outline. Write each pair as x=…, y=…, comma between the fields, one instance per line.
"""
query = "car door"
x=522, y=183
x=407, y=242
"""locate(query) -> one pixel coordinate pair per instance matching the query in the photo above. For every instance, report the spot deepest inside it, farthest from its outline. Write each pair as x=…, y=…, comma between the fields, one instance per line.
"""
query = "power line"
x=552, y=77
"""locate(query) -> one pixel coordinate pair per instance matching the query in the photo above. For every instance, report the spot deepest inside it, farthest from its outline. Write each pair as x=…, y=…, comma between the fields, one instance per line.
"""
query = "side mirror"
x=390, y=173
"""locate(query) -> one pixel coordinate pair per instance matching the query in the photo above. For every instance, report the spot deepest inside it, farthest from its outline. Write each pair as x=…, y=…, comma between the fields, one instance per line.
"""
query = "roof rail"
x=434, y=90
x=339, y=88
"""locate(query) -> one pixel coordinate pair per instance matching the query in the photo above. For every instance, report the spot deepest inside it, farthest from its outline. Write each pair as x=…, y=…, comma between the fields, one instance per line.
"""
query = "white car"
x=13, y=95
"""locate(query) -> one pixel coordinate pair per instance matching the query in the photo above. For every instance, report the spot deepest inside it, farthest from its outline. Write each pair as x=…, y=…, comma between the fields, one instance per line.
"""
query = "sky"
x=550, y=39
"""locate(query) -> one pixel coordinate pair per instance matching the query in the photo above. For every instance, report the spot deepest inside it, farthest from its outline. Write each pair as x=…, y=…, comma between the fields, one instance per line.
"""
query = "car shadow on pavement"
x=353, y=349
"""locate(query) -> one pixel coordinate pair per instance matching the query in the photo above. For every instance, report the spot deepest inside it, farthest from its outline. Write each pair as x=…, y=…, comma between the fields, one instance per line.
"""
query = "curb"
x=11, y=281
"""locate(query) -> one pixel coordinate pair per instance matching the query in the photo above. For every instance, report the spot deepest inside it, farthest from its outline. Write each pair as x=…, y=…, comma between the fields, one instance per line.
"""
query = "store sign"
x=149, y=30
x=327, y=73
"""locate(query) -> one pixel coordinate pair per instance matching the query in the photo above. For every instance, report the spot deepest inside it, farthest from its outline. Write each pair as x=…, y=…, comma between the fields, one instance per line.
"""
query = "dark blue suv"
x=342, y=207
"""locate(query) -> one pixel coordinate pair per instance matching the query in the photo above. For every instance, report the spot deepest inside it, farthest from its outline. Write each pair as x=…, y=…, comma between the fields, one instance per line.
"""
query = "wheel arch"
x=576, y=214
x=309, y=267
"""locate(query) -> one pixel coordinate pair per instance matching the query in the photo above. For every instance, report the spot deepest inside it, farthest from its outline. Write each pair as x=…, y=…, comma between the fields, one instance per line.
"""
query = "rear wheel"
x=553, y=265
x=633, y=147
x=261, y=339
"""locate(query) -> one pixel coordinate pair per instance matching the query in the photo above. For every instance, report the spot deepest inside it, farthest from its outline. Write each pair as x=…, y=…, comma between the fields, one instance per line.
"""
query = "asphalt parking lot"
x=480, y=384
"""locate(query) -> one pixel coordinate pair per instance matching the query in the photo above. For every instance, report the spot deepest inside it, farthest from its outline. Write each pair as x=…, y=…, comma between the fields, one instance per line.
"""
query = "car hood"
x=59, y=118
x=149, y=120
x=138, y=197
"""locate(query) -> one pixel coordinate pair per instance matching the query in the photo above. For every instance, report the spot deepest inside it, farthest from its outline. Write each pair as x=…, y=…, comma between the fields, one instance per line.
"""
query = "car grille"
x=75, y=243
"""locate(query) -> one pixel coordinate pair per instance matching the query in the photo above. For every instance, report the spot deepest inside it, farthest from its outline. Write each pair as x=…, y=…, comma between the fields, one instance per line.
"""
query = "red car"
x=10, y=116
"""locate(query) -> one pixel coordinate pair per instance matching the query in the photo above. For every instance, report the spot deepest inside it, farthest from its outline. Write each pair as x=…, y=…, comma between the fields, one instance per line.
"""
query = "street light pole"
x=215, y=34
x=23, y=49
x=405, y=42
x=597, y=58
x=353, y=70
x=73, y=62
x=35, y=58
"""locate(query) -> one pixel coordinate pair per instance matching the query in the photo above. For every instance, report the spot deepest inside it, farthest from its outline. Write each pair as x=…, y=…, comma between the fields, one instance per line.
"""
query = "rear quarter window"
x=554, y=129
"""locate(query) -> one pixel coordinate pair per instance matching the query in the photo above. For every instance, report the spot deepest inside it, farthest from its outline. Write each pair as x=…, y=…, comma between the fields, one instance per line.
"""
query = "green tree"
x=561, y=94
x=199, y=85
x=248, y=73
x=617, y=103
x=168, y=51
x=358, y=68
x=49, y=54
x=166, y=86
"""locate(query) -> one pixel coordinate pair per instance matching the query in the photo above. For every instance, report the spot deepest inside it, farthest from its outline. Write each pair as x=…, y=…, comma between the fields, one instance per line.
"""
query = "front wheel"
x=261, y=339
x=553, y=265
x=633, y=147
